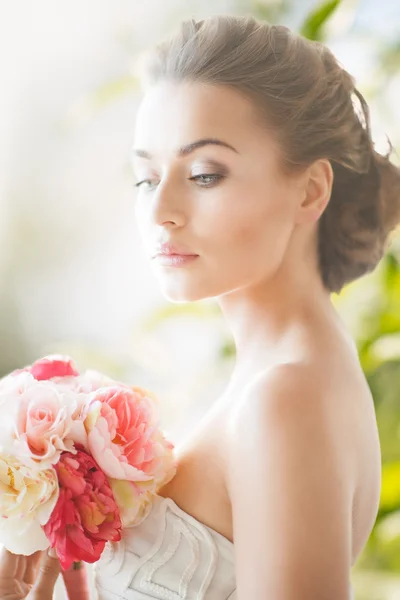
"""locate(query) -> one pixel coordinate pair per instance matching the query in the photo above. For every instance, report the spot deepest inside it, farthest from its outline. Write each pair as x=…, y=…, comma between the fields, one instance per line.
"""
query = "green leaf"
x=390, y=490
x=315, y=21
x=384, y=384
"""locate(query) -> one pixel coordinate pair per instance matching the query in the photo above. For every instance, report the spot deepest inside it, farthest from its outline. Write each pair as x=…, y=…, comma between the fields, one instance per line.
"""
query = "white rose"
x=27, y=499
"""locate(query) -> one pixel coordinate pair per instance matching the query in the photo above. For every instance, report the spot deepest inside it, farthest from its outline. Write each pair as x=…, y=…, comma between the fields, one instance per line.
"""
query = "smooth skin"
x=287, y=461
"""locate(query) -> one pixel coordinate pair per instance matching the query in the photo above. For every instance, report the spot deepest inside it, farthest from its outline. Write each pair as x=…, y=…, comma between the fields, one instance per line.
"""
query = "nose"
x=167, y=205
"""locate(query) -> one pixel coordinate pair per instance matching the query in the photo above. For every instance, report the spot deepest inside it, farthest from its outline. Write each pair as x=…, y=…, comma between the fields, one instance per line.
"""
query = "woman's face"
x=227, y=202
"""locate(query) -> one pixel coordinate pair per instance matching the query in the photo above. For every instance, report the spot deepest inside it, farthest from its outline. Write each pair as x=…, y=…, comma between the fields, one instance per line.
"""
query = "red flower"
x=86, y=515
x=52, y=366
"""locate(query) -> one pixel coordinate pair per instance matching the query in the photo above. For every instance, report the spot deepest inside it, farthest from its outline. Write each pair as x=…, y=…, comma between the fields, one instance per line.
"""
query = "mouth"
x=174, y=260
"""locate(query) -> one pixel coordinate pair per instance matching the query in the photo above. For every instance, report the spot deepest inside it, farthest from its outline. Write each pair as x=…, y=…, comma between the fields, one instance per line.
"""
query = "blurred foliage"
x=100, y=98
x=314, y=23
x=274, y=12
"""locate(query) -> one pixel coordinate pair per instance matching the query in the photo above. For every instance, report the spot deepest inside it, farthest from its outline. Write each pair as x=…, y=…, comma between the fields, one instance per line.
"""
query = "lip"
x=169, y=249
x=175, y=260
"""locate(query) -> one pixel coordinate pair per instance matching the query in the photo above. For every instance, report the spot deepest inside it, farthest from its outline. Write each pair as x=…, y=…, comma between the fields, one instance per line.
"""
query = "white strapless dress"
x=168, y=556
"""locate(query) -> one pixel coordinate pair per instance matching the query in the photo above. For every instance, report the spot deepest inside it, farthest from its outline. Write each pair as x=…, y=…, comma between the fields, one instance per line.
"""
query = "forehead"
x=172, y=114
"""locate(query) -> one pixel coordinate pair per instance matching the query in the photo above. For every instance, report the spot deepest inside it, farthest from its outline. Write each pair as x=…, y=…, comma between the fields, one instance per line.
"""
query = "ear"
x=318, y=180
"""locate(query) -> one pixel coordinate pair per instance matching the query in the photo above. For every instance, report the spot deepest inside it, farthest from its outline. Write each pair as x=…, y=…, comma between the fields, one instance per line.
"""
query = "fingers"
x=18, y=567
x=31, y=567
x=46, y=580
x=19, y=573
x=11, y=589
x=11, y=565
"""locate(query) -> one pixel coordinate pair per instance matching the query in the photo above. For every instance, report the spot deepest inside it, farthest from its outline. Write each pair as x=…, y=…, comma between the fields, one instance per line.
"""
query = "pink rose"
x=45, y=418
x=43, y=415
x=86, y=515
x=124, y=438
x=39, y=419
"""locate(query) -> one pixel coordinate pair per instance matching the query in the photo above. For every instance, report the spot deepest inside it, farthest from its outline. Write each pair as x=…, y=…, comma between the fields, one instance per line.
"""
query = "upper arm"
x=291, y=493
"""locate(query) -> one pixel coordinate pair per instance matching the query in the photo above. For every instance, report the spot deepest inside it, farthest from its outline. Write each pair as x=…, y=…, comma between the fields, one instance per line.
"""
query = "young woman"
x=258, y=184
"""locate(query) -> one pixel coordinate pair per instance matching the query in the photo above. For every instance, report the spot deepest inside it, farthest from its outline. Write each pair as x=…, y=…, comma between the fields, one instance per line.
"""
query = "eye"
x=137, y=185
x=207, y=180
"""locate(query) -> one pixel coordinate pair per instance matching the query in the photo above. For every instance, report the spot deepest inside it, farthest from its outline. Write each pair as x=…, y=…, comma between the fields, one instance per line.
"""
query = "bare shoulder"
x=291, y=393
x=292, y=476
x=326, y=397
x=301, y=405
x=319, y=406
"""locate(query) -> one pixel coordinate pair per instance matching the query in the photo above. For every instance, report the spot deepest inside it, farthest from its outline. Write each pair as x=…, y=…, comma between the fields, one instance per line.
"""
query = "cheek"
x=261, y=224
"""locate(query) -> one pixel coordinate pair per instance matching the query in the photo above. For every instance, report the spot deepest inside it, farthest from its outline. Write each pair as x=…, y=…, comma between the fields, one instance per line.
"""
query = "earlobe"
x=315, y=214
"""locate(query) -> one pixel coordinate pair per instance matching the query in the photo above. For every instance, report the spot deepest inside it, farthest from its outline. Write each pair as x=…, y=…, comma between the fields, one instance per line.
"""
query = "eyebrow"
x=188, y=148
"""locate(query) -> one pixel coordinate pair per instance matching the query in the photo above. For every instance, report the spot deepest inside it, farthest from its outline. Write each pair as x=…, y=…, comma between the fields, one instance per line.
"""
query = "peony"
x=124, y=438
x=39, y=419
x=86, y=515
x=27, y=499
x=53, y=366
x=87, y=382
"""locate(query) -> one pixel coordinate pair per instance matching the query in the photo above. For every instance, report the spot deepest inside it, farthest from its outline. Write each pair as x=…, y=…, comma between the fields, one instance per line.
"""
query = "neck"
x=269, y=317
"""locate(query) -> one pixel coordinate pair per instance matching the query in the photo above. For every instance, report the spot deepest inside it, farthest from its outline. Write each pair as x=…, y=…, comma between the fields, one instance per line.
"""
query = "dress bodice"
x=169, y=556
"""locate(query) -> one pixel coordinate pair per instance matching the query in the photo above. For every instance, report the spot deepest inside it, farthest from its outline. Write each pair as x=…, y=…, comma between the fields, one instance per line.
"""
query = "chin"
x=181, y=296
x=186, y=291
x=183, y=287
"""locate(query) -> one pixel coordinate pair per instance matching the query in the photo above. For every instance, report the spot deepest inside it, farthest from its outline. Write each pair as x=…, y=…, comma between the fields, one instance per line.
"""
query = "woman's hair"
x=311, y=104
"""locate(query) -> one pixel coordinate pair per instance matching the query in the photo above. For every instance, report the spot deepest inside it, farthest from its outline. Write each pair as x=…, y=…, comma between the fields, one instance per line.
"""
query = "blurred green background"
x=73, y=278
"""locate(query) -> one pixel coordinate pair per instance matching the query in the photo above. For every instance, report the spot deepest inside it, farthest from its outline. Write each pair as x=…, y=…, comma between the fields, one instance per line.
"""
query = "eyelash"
x=215, y=178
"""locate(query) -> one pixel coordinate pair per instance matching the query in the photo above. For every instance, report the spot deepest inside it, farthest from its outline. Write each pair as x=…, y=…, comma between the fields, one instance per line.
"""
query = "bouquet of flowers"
x=81, y=456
